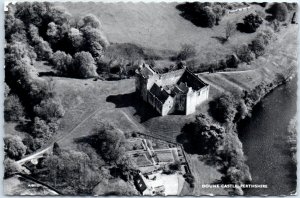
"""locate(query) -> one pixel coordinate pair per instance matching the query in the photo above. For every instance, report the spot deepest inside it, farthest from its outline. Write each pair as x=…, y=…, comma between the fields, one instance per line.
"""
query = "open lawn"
x=165, y=29
x=204, y=174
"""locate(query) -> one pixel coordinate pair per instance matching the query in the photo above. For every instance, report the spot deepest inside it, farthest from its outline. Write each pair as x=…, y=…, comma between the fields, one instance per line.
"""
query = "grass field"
x=18, y=185
x=165, y=29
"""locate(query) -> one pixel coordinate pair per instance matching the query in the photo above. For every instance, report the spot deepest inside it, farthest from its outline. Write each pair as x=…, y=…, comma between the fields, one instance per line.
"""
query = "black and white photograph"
x=150, y=98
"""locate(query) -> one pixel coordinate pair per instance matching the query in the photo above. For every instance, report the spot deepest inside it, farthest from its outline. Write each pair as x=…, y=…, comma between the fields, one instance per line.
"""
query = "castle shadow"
x=142, y=110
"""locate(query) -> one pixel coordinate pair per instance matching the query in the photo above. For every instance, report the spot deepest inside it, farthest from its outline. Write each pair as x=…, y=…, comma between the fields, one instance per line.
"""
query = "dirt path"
x=58, y=139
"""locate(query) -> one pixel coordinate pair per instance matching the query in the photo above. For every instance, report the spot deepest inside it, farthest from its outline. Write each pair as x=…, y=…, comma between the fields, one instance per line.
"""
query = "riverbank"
x=264, y=139
x=254, y=84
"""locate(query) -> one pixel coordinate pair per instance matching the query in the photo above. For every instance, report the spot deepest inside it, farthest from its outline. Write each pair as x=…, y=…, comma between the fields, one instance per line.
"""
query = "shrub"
x=187, y=51
x=14, y=147
x=189, y=178
x=13, y=109
x=245, y=54
x=84, y=65
x=175, y=166
x=279, y=11
x=232, y=61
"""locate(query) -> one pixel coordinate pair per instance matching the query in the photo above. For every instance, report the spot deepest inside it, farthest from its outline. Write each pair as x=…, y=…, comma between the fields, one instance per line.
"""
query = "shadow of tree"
x=92, y=140
x=142, y=110
x=48, y=73
x=221, y=39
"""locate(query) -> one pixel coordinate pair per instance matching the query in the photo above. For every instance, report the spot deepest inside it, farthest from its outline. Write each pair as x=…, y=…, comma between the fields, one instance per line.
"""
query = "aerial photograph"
x=150, y=99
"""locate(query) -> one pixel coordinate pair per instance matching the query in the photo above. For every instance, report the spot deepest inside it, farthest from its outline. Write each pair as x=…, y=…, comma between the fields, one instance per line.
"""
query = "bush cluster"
x=222, y=147
x=251, y=23
x=202, y=14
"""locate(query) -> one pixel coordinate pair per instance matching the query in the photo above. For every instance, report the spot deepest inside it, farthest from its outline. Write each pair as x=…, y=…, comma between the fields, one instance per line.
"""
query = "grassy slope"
x=165, y=29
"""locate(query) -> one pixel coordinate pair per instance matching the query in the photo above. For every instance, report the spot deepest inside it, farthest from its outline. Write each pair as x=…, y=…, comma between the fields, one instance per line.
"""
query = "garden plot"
x=142, y=159
x=165, y=156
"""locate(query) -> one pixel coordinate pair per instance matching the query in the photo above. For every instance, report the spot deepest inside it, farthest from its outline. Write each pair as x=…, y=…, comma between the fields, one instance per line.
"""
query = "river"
x=264, y=141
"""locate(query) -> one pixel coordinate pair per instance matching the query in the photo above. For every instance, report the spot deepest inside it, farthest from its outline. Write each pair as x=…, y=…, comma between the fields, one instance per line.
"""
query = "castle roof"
x=160, y=93
x=146, y=71
x=191, y=80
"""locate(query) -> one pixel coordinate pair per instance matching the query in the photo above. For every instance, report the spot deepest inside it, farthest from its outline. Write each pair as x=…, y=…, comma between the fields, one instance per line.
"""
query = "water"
x=264, y=140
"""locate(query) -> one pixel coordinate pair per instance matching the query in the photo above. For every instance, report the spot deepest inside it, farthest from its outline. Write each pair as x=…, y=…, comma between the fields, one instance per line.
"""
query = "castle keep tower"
x=179, y=90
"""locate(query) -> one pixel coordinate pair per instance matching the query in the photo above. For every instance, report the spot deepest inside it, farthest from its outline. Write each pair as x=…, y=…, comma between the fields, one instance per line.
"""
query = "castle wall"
x=203, y=95
x=168, y=106
x=154, y=102
x=195, y=98
x=191, y=102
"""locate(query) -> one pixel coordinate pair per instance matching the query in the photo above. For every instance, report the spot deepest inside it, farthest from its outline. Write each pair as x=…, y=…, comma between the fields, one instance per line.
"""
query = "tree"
x=94, y=41
x=53, y=33
x=74, y=169
x=208, y=16
x=62, y=62
x=203, y=136
x=245, y=54
x=232, y=61
x=49, y=109
x=230, y=29
x=258, y=46
x=251, y=23
x=6, y=90
x=56, y=149
x=223, y=109
x=90, y=20
x=219, y=12
x=11, y=167
x=41, y=47
x=84, y=65
x=13, y=109
x=31, y=144
x=279, y=11
x=267, y=35
x=111, y=143
x=14, y=147
x=41, y=129
x=231, y=158
x=76, y=38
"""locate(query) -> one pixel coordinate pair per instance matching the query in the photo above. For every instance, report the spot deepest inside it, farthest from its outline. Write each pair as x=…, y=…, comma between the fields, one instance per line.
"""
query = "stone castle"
x=177, y=91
